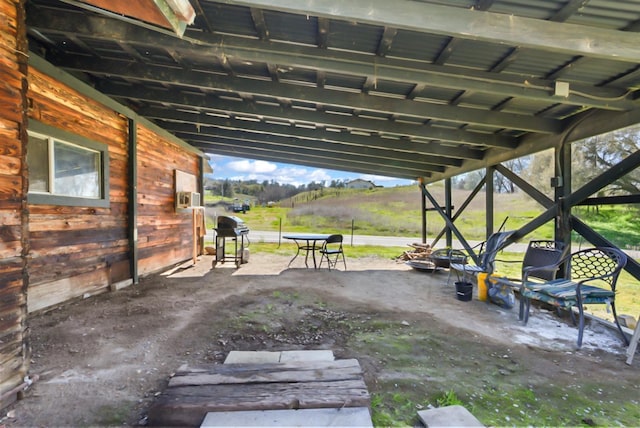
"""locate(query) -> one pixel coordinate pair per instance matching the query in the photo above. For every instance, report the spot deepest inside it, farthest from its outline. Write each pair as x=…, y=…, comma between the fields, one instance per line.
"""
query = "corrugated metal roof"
x=430, y=70
x=292, y=28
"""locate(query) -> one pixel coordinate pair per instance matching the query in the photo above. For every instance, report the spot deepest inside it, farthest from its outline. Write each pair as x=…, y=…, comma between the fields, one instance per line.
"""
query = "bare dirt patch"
x=103, y=360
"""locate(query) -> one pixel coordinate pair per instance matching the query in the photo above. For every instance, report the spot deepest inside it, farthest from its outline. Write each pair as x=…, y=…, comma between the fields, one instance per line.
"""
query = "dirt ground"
x=101, y=361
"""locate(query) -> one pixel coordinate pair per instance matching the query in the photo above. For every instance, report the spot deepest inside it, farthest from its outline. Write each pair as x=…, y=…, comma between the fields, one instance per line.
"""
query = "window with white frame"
x=65, y=172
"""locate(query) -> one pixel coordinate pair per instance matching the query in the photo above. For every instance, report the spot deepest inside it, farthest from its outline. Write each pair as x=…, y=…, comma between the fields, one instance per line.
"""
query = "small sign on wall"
x=185, y=182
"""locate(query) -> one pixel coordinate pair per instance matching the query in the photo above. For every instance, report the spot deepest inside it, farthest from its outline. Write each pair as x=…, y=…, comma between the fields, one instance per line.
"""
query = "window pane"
x=77, y=171
x=38, y=162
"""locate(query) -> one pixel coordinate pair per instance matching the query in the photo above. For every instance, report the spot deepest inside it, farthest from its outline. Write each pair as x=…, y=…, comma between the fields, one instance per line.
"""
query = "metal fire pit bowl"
x=444, y=257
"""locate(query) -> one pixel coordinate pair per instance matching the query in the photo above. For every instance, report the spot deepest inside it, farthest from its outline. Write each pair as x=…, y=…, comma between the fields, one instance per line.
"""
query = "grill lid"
x=231, y=223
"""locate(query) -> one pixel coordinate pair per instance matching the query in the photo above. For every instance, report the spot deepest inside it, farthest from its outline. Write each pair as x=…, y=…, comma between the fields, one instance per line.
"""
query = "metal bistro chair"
x=331, y=251
x=486, y=257
x=599, y=265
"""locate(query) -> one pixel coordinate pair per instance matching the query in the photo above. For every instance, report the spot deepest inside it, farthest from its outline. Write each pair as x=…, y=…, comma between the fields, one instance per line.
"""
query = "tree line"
x=589, y=158
x=264, y=191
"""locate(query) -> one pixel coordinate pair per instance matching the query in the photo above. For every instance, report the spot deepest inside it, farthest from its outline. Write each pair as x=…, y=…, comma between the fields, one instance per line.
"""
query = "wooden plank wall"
x=48, y=253
x=14, y=351
x=164, y=235
x=85, y=249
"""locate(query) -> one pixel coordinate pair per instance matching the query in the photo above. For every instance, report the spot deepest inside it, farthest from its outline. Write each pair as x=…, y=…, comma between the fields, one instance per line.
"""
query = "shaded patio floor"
x=104, y=359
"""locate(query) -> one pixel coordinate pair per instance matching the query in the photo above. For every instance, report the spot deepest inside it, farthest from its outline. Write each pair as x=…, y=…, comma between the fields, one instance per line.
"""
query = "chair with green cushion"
x=590, y=278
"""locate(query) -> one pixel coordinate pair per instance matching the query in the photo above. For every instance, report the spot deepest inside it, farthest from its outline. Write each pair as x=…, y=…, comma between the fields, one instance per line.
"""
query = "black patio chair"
x=539, y=255
x=600, y=267
x=331, y=251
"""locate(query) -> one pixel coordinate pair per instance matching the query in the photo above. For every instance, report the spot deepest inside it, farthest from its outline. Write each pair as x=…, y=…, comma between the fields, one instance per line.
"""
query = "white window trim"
x=51, y=135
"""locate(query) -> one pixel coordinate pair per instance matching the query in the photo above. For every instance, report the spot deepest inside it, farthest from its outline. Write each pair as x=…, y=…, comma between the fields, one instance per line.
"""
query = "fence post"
x=352, y=227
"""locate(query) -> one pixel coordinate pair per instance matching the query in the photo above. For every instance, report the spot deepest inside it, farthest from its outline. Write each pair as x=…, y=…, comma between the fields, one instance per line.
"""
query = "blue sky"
x=226, y=167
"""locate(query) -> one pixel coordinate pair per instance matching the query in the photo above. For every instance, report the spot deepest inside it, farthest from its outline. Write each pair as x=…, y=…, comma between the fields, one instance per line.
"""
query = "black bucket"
x=464, y=291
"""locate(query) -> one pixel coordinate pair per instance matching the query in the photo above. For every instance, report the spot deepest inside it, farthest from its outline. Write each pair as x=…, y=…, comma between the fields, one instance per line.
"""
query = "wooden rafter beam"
x=299, y=155
x=415, y=160
x=364, y=102
x=285, y=129
x=214, y=104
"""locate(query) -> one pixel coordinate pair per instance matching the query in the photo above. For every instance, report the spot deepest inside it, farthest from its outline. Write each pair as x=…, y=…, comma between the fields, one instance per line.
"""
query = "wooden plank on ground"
x=284, y=372
x=187, y=405
x=191, y=394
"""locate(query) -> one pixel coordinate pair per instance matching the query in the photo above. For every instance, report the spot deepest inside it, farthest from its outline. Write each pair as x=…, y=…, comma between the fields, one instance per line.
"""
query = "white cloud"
x=254, y=167
x=319, y=175
x=237, y=169
x=376, y=178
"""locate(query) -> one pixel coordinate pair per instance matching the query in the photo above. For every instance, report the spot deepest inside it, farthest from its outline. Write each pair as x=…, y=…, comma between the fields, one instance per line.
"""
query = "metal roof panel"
x=352, y=36
x=460, y=99
x=413, y=45
x=477, y=55
x=292, y=28
x=229, y=19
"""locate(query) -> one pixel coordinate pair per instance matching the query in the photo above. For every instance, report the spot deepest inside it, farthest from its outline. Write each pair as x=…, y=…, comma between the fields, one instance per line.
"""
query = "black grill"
x=231, y=227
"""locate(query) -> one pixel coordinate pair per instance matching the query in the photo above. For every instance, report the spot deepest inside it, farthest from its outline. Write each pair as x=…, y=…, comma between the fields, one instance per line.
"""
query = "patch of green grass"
x=449, y=398
x=113, y=416
x=397, y=408
x=500, y=404
x=355, y=251
x=379, y=414
x=558, y=405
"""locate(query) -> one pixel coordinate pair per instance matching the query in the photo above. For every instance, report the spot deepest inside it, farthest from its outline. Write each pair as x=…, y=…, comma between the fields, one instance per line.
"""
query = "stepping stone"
x=260, y=357
x=252, y=357
x=448, y=416
x=344, y=417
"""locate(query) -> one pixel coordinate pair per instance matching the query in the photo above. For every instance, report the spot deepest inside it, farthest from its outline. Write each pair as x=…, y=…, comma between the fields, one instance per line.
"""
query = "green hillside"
x=396, y=211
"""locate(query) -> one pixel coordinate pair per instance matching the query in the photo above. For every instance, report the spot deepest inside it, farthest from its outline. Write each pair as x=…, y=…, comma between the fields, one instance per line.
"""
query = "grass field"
x=397, y=212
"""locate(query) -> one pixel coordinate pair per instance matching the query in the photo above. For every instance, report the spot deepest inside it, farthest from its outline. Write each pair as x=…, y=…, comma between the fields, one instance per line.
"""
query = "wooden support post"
x=631, y=350
x=489, y=201
x=562, y=189
x=133, y=200
x=448, y=209
x=424, y=217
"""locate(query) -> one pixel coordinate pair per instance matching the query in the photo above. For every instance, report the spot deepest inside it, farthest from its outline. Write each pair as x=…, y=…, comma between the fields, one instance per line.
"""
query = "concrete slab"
x=343, y=417
x=263, y=357
x=252, y=357
x=312, y=355
x=448, y=416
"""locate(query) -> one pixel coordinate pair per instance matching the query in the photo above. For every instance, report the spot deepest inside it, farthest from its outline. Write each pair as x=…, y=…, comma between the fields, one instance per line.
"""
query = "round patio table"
x=309, y=243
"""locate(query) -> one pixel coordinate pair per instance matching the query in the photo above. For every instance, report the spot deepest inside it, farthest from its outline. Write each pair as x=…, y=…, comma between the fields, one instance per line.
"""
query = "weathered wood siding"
x=78, y=251
x=52, y=253
x=14, y=358
x=164, y=236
